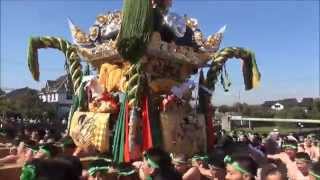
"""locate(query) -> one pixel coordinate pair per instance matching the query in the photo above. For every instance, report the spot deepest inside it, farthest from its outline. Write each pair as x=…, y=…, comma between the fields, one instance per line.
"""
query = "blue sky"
x=283, y=34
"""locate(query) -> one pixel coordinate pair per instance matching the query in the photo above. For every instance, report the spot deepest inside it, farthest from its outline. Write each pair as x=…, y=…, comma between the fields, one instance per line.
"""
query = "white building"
x=277, y=107
x=59, y=93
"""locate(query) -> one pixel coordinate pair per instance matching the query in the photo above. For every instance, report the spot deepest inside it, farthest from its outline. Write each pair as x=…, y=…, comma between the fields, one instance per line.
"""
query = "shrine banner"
x=90, y=129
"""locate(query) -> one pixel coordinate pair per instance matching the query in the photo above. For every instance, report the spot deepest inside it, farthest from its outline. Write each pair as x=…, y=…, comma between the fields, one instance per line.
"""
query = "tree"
x=27, y=105
x=224, y=108
x=2, y=92
x=296, y=113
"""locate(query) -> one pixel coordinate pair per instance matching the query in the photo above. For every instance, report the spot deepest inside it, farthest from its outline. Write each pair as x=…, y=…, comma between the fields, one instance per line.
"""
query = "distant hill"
x=291, y=102
x=22, y=92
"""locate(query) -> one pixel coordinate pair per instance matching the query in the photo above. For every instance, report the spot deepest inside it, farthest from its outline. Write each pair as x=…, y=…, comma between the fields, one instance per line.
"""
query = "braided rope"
x=70, y=52
x=220, y=58
x=135, y=84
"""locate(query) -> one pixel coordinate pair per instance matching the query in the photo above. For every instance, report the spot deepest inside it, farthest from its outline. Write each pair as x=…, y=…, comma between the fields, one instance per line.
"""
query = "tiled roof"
x=58, y=85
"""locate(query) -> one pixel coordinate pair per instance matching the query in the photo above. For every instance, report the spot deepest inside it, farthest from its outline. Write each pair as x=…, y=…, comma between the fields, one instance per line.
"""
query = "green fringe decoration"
x=136, y=29
x=119, y=135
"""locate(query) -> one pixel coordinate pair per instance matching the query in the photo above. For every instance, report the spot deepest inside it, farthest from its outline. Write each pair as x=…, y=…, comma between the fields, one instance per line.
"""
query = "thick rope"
x=66, y=47
x=251, y=73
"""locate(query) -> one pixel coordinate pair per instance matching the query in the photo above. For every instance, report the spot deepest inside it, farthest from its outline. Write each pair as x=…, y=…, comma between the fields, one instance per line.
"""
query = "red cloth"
x=146, y=127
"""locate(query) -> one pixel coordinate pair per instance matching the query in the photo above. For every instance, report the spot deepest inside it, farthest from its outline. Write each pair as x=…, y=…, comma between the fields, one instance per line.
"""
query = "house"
x=277, y=107
x=305, y=103
x=59, y=93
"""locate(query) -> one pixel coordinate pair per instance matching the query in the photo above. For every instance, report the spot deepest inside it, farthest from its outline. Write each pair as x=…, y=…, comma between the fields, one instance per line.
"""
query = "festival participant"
x=180, y=162
x=74, y=162
x=217, y=168
x=26, y=151
x=157, y=166
x=98, y=170
x=298, y=168
x=272, y=172
x=308, y=148
x=46, y=151
x=314, y=172
x=315, y=155
x=290, y=147
x=47, y=169
x=303, y=163
x=185, y=168
x=68, y=146
x=200, y=162
x=240, y=168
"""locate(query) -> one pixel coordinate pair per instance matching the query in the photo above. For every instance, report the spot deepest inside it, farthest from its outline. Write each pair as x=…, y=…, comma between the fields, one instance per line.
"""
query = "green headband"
x=179, y=161
x=290, y=146
x=202, y=158
x=127, y=173
x=235, y=165
x=67, y=142
x=151, y=163
x=94, y=170
x=302, y=159
x=317, y=176
x=28, y=172
x=45, y=151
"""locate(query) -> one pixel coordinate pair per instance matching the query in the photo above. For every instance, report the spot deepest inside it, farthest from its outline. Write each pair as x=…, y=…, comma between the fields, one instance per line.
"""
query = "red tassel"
x=126, y=143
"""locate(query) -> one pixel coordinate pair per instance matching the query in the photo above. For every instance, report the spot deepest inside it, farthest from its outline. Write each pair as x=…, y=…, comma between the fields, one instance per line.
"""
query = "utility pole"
x=239, y=103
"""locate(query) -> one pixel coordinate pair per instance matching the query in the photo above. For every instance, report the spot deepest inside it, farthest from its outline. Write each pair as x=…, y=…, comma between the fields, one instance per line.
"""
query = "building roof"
x=58, y=85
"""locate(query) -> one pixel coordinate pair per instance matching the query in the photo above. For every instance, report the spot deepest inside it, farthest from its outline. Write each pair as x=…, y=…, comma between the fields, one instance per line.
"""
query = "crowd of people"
x=51, y=154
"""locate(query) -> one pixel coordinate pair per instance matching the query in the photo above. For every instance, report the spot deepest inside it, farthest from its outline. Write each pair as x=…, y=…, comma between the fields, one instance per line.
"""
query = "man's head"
x=98, y=170
x=35, y=136
x=47, y=169
x=240, y=168
x=181, y=163
x=156, y=160
x=290, y=147
x=308, y=142
x=217, y=168
x=46, y=151
x=303, y=162
x=272, y=172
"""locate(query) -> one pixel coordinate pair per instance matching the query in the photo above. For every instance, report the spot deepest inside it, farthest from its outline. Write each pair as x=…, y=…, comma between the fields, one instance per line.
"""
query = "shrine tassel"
x=118, y=141
x=136, y=29
x=146, y=127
